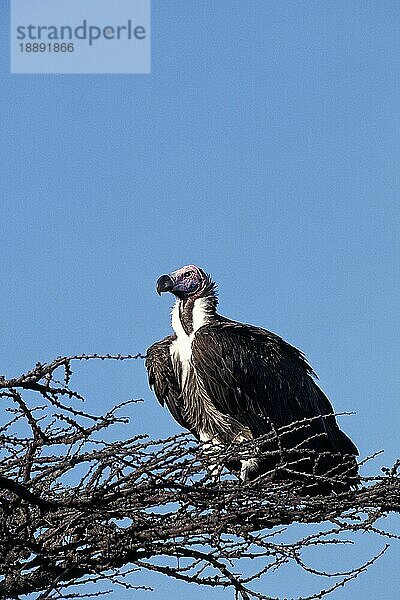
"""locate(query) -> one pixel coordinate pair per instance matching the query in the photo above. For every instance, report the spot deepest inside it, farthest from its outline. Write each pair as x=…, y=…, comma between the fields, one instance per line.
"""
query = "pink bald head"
x=188, y=281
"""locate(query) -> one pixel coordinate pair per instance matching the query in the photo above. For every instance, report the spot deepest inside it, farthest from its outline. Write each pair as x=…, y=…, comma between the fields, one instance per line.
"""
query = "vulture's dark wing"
x=258, y=378
x=162, y=378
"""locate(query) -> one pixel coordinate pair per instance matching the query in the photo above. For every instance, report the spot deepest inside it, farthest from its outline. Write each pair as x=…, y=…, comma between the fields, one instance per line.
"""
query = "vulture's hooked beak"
x=165, y=283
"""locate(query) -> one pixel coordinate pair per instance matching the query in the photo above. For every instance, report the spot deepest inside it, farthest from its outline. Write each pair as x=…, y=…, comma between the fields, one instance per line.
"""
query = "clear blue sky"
x=265, y=147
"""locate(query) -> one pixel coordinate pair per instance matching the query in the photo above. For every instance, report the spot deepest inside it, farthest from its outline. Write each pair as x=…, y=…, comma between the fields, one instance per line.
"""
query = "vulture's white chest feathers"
x=181, y=348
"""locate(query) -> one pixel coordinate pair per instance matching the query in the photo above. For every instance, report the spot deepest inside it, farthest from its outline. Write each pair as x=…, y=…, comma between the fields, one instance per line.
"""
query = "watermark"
x=80, y=36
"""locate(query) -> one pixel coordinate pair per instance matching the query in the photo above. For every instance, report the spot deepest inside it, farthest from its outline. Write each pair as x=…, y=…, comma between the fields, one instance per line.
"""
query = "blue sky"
x=265, y=147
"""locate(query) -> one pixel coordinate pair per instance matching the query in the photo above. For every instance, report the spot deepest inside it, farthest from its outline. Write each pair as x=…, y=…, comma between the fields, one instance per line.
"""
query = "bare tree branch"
x=75, y=509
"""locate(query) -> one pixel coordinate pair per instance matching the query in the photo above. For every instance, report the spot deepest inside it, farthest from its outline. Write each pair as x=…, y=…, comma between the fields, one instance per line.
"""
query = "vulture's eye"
x=188, y=274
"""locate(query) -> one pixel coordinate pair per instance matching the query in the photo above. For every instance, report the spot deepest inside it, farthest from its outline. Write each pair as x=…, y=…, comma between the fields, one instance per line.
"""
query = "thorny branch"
x=76, y=509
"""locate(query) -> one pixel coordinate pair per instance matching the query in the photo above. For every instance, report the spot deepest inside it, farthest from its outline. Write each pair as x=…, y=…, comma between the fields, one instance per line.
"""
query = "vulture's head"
x=189, y=281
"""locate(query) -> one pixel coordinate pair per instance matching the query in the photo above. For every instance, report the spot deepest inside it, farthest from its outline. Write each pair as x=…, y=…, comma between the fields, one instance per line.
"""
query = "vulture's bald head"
x=187, y=282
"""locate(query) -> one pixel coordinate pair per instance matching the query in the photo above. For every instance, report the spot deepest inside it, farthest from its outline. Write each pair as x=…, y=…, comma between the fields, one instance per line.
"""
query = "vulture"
x=228, y=382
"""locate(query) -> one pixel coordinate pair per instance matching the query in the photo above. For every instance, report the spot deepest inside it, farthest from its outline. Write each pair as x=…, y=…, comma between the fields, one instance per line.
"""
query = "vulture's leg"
x=212, y=446
x=248, y=466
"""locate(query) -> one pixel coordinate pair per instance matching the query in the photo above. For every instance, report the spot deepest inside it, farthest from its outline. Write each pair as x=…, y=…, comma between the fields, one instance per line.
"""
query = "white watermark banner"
x=80, y=36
